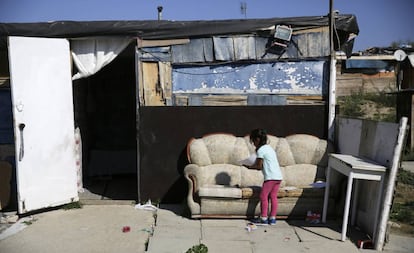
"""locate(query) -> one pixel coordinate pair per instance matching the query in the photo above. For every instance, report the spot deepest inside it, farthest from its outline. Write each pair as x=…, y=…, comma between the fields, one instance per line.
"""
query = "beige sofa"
x=219, y=186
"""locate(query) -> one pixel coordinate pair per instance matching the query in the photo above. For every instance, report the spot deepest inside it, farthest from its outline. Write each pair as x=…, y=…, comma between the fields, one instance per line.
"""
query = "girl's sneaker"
x=260, y=222
x=272, y=221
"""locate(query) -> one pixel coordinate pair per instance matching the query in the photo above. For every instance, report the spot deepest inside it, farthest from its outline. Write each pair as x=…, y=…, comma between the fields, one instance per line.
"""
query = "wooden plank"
x=140, y=83
x=160, y=43
x=181, y=100
x=152, y=91
x=311, y=30
x=165, y=72
x=226, y=100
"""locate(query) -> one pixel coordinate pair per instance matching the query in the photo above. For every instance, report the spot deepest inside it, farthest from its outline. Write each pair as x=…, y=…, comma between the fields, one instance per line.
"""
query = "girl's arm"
x=258, y=164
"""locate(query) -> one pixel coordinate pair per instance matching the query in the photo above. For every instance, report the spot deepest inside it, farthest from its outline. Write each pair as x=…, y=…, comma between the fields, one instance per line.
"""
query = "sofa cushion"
x=250, y=177
x=198, y=152
x=299, y=175
x=220, y=191
x=306, y=148
x=220, y=147
x=219, y=174
x=304, y=192
x=251, y=192
x=284, y=154
x=285, y=192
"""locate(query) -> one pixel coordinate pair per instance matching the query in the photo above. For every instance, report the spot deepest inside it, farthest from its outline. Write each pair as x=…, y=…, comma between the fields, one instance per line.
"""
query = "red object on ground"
x=126, y=229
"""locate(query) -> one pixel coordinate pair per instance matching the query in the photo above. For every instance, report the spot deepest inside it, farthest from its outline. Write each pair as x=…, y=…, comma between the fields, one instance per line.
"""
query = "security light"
x=283, y=32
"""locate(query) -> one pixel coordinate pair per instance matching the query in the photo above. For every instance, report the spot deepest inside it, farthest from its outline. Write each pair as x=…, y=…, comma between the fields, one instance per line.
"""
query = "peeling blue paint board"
x=253, y=99
x=305, y=77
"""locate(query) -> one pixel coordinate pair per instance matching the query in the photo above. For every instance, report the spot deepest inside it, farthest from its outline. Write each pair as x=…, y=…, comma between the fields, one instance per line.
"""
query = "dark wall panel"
x=165, y=131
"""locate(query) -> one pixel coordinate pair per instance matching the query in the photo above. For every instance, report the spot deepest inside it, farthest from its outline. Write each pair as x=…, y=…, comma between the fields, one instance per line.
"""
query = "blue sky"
x=380, y=21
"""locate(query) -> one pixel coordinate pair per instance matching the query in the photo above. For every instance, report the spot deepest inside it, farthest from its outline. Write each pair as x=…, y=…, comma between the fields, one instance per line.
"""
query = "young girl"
x=267, y=162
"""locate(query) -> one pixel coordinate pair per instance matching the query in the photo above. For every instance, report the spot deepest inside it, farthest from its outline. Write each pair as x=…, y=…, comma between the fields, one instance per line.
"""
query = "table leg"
x=326, y=196
x=347, y=204
x=354, y=202
x=378, y=206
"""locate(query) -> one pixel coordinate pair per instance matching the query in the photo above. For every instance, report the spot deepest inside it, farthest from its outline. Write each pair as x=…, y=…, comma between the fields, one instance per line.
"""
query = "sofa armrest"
x=191, y=171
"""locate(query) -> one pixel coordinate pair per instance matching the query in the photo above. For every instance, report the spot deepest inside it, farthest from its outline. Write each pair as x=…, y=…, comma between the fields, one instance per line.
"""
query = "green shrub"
x=201, y=248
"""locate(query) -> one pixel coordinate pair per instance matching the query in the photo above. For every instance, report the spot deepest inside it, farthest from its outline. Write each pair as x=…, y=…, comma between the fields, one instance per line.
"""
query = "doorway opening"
x=105, y=113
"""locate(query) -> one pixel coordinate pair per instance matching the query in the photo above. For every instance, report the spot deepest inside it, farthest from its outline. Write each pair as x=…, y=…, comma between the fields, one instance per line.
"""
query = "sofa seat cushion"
x=301, y=192
x=250, y=192
x=286, y=192
x=219, y=191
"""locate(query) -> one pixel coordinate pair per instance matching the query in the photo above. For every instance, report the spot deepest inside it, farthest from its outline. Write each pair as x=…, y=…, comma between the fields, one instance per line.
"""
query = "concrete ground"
x=175, y=233
x=99, y=228
x=92, y=228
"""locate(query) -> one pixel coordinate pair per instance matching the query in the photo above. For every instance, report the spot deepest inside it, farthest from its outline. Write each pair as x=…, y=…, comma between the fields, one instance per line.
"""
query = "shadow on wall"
x=180, y=186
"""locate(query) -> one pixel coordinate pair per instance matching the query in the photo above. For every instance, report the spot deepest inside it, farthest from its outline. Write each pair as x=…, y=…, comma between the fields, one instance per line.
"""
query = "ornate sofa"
x=219, y=186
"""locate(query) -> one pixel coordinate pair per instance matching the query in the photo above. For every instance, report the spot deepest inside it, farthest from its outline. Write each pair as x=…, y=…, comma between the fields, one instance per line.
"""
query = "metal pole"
x=159, y=8
x=137, y=122
x=389, y=191
x=332, y=76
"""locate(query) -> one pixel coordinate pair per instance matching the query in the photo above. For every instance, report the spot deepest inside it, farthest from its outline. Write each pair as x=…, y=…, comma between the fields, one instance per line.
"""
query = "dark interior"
x=105, y=110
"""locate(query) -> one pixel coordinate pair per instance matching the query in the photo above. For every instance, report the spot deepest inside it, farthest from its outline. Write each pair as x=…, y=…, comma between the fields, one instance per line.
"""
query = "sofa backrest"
x=224, y=148
x=220, y=148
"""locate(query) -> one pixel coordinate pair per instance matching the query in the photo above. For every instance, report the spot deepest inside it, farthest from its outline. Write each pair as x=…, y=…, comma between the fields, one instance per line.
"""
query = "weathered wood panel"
x=165, y=81
x=212, y=100
x=152, y=89
x=348, y=83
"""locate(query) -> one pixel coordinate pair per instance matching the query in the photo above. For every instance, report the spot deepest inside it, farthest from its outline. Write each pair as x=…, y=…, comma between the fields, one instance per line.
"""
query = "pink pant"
x=269, y=188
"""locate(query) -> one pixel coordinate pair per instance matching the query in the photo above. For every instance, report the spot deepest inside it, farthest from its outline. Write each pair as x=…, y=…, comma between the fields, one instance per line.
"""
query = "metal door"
x=41, y=85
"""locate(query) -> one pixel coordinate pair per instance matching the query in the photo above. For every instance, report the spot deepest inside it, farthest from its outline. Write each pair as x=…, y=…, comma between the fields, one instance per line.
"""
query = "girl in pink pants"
x=267, y=162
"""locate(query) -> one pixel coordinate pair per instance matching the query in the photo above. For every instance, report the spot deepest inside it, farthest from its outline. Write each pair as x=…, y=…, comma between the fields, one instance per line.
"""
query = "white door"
x=41, y=86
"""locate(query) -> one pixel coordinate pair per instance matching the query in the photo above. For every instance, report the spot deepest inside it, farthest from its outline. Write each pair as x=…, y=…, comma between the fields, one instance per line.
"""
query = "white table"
x=354, y=168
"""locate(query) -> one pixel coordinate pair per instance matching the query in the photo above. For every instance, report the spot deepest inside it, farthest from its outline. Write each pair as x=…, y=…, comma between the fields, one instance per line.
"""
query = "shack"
x=137, y=91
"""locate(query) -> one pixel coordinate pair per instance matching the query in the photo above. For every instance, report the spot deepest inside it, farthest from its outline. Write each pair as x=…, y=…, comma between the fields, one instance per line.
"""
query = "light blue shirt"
x=271, y=169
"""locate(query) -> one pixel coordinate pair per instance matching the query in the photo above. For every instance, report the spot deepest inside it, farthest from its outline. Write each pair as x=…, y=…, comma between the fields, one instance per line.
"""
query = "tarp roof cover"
x=163, y=29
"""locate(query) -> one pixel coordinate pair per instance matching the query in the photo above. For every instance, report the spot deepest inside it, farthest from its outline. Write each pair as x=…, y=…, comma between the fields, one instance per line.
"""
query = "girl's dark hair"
x=260, y=134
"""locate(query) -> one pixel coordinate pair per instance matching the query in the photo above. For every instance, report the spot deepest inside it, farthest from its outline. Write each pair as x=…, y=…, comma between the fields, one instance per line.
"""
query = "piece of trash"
x=147, y=206
x=365, y=244
x=313, y=217
x=8, y=218
x=126, y=229
x=318, y=184
x=286, y=239
x=251, y=226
